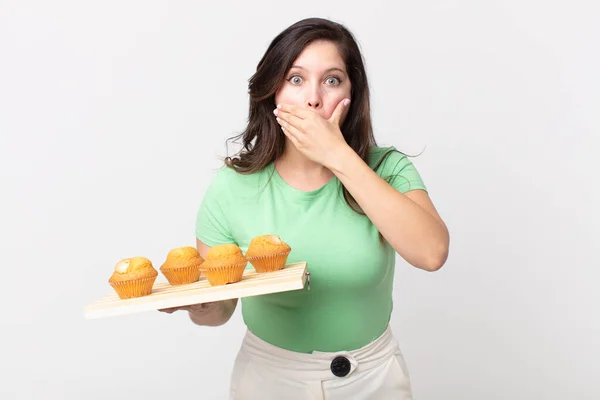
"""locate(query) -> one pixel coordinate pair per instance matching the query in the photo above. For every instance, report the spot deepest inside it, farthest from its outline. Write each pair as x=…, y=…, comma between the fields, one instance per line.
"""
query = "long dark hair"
x=262, y=140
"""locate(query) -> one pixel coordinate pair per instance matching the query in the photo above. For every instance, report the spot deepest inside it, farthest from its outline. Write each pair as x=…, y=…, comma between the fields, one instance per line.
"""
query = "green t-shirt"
x=350, y=298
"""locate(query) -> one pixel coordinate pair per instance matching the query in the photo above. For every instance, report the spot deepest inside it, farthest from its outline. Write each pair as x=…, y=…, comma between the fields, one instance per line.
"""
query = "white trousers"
x=266, y=372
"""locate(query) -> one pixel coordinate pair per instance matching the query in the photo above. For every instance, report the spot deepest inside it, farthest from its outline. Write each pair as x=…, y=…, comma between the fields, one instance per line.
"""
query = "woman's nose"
x=313, y=104
x=314, y=99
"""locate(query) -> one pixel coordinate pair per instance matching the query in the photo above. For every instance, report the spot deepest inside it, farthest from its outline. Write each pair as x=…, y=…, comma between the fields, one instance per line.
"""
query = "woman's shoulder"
x=390, y=163
x=383, y=157
x=228, y=178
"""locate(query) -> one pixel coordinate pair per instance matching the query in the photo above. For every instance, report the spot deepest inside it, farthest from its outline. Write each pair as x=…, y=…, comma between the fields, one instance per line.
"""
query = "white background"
x=113, y=114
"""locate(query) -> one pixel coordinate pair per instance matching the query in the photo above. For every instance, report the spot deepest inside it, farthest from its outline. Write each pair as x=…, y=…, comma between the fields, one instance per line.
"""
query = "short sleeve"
x=212, y=227
x=397, y=169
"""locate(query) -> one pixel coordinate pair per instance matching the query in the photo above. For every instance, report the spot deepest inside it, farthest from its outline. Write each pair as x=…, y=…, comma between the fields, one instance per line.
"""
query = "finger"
x=171, y=310
x=291, y=137
x=289, y=129
x=290, y=119
x=288, y=132
x=300, y=112
x=204, y=307
x=339, y=110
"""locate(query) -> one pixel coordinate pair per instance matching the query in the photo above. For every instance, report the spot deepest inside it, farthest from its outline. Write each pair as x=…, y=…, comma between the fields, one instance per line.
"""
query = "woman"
x=310, y=172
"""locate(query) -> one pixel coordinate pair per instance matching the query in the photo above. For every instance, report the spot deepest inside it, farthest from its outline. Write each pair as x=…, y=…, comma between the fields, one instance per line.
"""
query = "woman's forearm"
x=417, y=234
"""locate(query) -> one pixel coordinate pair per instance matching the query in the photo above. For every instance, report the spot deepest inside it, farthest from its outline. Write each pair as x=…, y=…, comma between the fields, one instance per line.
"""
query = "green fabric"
x=350, y=300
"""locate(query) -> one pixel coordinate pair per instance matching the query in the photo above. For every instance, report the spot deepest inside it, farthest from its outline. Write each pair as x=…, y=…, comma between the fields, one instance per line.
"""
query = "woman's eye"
x=295, y=80
x=333, y=81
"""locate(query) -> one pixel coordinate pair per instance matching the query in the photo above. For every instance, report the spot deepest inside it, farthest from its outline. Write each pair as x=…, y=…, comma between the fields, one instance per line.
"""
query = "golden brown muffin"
x=268, y=253
x=182, y=265
x=224, y=264
x=133, y=277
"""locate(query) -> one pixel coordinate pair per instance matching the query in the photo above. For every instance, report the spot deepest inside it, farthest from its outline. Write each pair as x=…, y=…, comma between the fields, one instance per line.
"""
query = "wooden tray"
x=291, y=277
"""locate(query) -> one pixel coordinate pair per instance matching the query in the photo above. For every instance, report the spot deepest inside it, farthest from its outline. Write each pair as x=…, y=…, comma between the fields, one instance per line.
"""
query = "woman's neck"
x=300, y=172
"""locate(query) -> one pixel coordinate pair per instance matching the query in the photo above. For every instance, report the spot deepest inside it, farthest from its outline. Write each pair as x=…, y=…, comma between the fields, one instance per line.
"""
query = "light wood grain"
x=291, y=277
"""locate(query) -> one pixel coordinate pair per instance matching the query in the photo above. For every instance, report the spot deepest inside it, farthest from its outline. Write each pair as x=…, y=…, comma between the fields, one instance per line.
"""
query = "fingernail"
x=277, y=119
x=278, y=105
x=275, y=111
x=346, y=102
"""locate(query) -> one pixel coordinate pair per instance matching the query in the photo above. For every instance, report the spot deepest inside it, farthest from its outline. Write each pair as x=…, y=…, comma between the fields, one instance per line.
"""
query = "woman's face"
x=317, y=80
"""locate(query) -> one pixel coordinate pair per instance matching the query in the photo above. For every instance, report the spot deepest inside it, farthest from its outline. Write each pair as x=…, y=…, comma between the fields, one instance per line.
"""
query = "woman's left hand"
x=317, y=138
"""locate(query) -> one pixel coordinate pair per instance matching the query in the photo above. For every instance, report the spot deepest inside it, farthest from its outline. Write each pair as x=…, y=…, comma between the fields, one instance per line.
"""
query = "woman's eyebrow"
x=329, y=70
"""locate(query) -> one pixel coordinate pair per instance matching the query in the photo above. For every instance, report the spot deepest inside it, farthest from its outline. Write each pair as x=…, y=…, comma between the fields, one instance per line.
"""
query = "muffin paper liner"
x=269, y=263
x=181, y=276
x=226, y=274
x=134, y=288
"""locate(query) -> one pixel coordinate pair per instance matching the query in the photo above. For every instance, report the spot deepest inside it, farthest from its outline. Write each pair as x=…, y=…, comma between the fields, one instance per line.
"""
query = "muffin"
x=133, y=277
x=224, y=264
x=182, y=265
x=267, y=253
